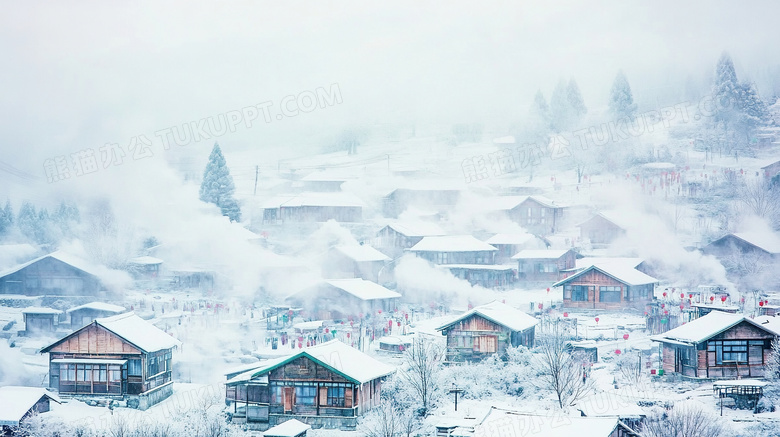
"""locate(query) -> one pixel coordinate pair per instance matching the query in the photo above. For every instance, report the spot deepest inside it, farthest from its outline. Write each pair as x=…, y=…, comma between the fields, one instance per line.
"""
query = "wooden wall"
x=95, y=340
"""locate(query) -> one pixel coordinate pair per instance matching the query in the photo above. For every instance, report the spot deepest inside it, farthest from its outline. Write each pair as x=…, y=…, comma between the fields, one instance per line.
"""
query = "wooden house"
x=500, y=422
x=144, y=267
x=396, y=237
x=771, y=170
x=19, y=403
x=83, y=315
x=57, y=274
x=423, y=196
x=603, y=228
x=543, y=265
x=341, y=298
x=454, y=249
x=509, y=244
x=328, y=385
x=121, y=356
x=485, y=275
x=538, y=214
x=745, y=243
x=718, y=345
x=313, y=207
x=607, y=286
x=354, y=261
x=486, y=330
x=40, y=321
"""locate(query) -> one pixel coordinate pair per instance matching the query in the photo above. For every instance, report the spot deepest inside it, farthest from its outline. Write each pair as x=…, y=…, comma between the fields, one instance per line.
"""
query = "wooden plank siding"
x=476, y=338
x=595, y=279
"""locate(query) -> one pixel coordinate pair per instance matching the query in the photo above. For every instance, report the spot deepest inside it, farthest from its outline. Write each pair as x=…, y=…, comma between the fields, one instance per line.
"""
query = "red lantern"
x=398, y=324
x=548, y=289
x=666, y=312
x=389, y=323
x=597, y=319
x=761, y=303
x=664, y=294
x=712, y=298
x=565, y=314
x=682, y=295
x=379, y=311
x=663, y=305
x=406, y=316
x=327, y=330
x=723, y=298
x=349, y=334
x=617, y=351
x=682, y=307
x=540, y=306
x=625, y=336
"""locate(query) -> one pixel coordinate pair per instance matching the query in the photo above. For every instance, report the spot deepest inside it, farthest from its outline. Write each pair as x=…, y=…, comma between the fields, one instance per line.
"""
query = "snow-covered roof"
x=705, y=327
x=16, y=401
x=768, y=242
x=335, y=355
x=500, y=313
x=99, y=306
x=451, y=243
x=502, y=203
x=617, y=218
x=540, y=254
x=505, y=423
x=771, y=323
x=40, y=310
x=417, y=229
x=544, y=201
x=362, y=289
x=494, y=267
x=509, y=239
x=67, y=258
x=145, y=260
x=308, y=326
x=289, y=428
x=626, y=262
x=623, y=273
x=741, y=383
x=132, y=329
x=362, y=253
x=335, y=198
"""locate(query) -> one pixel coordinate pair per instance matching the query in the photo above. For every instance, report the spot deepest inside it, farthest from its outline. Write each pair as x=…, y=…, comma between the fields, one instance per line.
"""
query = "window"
x=465, y=341
x=276, y=394
x=305, y=395
x=577, y=293
x=154, y=365
x=114, y=373
x=542, y=211
x=67, y=372
x=336, y=396
x=729, y=351
x=134, y=368
x=442, y=257
x=99, y=373
x=609, y=294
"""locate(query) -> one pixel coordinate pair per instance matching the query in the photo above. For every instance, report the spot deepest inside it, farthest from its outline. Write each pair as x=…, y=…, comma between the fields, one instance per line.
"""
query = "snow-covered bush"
x=683, y=420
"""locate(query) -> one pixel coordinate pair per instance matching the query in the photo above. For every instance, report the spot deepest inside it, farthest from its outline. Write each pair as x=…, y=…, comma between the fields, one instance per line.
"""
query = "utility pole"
x=257, y=171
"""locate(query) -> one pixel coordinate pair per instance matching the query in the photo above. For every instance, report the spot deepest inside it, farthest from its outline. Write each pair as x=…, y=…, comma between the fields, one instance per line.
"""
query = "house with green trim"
x=328, y=385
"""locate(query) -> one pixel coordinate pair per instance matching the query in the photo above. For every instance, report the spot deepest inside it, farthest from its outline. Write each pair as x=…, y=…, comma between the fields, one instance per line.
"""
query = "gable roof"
x=40, y=310
x=543, y=201
x=625, y=262
x=289, y=428
x=98, y=306
x=66, y=258
x=16, y=401
x=363, y=289
x=131, y=328
x=509, y=239
x=706, y=327
x=416, y=229
x=622, y=273
x=540, y=254
x=333, y=355
x=362, y=253
x=768, y=242
x=505, y=423
x=616, y=218
x=451, y=243
x=499, y=313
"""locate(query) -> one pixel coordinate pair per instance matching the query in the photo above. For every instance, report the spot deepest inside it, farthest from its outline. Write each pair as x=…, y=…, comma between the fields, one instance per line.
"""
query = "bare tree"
x=630, y=367
x=560, y=370
x=683, y=420
x=761, y=198
x=422, y=362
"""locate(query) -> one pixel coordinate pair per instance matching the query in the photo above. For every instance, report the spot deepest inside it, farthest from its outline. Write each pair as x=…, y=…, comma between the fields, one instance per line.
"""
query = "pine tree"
x=6, y=218
x=752, y=110
x=726, y=90
x=562, y=113
x=66, y=218
x=43, y=231
x=217, y=186
x=27, y=220
x=621, y=100
x=540, y=112
x=575, y=99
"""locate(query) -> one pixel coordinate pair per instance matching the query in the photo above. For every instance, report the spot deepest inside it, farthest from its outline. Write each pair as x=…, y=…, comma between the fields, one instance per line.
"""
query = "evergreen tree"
x=66, y=218
x=621, y=100
x=575, y=99
x=6, y=218
x=726, y=90
x=43, y=228
x=562, y=113
x=540, y=113
x=752, y=110
x=27, y=221
x=217, y=186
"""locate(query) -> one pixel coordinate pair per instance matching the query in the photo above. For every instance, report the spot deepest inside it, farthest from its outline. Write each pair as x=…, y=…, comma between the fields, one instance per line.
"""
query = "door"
x=289, y=394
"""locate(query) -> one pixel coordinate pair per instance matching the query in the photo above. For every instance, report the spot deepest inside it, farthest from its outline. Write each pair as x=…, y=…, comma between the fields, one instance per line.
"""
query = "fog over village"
x=351, y=219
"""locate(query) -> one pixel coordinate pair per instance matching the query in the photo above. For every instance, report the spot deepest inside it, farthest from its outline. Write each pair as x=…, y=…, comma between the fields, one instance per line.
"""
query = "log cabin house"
x=56, y=274
x=487, y=330
x=18, y=403
x=543, y=265
x=607, y=286
x=396, y=237
x=335, y=299
x=328, y=385
x=718, y=345
x=454, y=249
x=121, y=356
x=354, y=261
